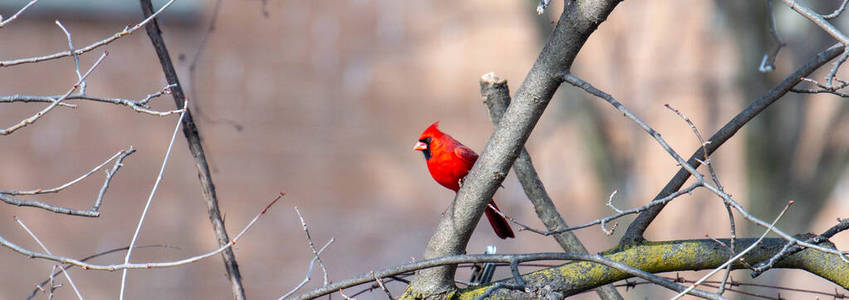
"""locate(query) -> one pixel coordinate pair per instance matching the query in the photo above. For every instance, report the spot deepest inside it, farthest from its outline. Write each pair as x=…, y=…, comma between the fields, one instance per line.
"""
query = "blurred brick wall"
x=323, y=100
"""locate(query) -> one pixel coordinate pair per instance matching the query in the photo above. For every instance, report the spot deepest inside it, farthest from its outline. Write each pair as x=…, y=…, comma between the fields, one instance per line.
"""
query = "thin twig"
x=140, y=106
x=708, y=283
x=35, y=117
x=690, y=169
x=738, y=256
x=149, y=265
x=150, y=197
x=632, y=211
x=40, y=286
x=603, y=221
x=76, y=57
x=791, y=248
x=44, y=248
x=383, y=287
x=823, y=24
x=127, y=30
x=309, y=271
x=610, y=202
x=312, y=245
x=15, y=16
x=819, y=20
x=94, y=211
x=53, y=286
x=72, y=182
x=836, y=12
x=707, y=162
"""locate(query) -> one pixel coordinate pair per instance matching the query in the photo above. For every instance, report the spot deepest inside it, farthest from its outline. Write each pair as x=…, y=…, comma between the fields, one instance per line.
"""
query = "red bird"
x=448, y=162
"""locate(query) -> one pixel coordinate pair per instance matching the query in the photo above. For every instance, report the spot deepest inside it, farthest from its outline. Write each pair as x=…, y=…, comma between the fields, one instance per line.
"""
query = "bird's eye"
x=426, y=140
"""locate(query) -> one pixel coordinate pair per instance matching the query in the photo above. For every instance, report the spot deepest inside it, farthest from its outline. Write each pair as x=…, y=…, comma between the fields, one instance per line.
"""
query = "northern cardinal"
x=448, y=162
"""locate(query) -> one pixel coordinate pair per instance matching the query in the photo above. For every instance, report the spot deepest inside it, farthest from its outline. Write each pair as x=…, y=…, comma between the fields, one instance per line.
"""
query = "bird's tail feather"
x=499, y=223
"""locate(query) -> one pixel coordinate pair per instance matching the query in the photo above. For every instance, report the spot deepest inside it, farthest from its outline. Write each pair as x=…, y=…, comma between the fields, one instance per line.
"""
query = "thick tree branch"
x=496, y=96
x=578, y=20
x=657, y=257
x=634, y=234
x=190, y=130
x=591, y=271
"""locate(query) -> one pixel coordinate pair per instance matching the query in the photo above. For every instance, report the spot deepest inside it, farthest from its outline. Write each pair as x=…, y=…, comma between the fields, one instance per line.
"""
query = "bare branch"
x=632, y=211
x=309, y=271
x=312, y=245
x=193, y=138
x=382, y=287
x=819, y=20
x=790, y=248
x=149, y=265
x=120, y=34
x=76, y=56
x=707, y=162
x=44, y=248
x=496, y=95
x=836, y=12
x=691, y=169
x=15, y=16
x=738, y=256
x=150, y=197
x=635, y=231
x=503, y=258
x=823, y=24
x=94, y=211
x=50, y=107
x=137, y=105
x=39, y=287
x=571, y=79
x=69, y=183
x=577, y=22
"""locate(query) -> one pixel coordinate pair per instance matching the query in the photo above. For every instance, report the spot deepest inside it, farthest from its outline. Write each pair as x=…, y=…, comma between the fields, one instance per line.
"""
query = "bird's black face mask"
x=426, y=151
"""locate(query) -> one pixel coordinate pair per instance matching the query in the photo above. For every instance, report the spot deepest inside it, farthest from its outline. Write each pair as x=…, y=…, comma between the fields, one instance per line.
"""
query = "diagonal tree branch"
x=192, y=133
x=634, y=234
x=578, y=20
x=496, y=96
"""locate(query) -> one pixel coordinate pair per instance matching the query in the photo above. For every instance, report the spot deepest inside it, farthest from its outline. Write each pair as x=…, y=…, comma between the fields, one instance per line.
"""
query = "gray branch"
x=94, y=211
x=578, y=20
x=496, y=96
x=634, y=233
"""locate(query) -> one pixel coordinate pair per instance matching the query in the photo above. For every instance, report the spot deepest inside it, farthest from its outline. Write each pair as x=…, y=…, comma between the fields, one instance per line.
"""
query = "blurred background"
x=323, y=100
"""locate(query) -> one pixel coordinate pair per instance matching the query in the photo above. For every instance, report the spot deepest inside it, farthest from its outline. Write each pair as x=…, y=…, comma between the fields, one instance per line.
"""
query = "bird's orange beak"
x=420, y=146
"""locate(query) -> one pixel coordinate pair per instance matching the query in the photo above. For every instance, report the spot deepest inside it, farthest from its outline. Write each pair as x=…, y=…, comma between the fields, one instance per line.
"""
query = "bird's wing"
x=467, y=155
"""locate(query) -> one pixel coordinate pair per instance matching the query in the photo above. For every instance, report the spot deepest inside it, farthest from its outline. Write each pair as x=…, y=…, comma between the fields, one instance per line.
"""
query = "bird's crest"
x=432, y=131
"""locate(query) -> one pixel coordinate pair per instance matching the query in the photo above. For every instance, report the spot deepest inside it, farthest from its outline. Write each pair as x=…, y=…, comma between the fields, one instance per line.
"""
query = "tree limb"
x=634, y=233
x=578, y=20
x=591, y=271
x=190, y=130
x=496, y=96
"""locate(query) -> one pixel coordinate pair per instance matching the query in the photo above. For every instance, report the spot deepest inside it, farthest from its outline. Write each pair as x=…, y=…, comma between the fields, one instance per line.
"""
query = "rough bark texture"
x=496, y=96
x=190, y=130
x=657, y=257
x=578, y=20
